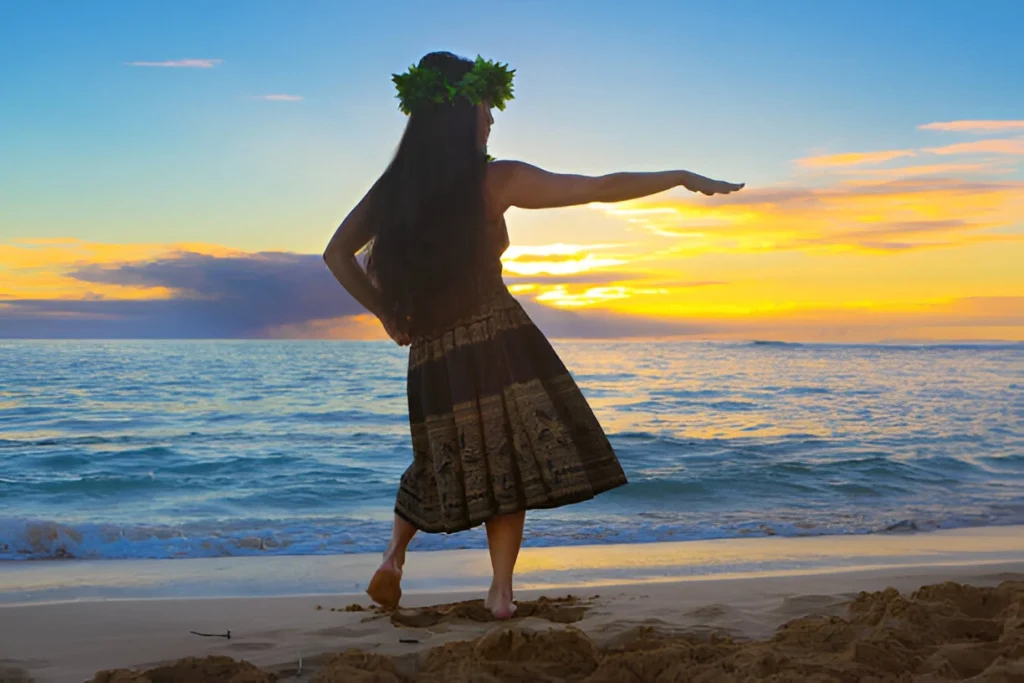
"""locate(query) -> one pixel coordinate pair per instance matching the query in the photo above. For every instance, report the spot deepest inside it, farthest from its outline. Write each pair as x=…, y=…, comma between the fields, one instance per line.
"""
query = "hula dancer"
x=499, y=426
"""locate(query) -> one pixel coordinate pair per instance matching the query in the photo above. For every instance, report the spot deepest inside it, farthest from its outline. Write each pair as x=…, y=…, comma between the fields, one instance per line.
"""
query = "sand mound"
x=192, y=670
x=356, y=666
x=939, y=633
x=14, y=674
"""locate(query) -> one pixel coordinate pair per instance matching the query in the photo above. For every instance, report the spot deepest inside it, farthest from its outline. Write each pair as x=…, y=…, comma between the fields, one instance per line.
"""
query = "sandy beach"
x=837, y=616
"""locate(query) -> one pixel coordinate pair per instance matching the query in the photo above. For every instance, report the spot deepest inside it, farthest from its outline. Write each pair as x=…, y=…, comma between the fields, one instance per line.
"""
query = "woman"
x=498, y=425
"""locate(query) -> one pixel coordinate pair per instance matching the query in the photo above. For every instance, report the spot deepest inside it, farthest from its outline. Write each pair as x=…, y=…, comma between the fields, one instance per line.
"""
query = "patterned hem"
x=498, y=426
x=427, y=527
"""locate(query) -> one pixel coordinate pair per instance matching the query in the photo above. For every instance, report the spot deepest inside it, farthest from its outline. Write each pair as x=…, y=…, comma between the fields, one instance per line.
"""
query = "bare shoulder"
x=498, y=180
x=512, y=183
x=519, y=184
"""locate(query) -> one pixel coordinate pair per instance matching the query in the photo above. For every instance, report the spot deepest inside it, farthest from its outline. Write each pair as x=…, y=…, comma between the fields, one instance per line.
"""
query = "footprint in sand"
x=565, y=610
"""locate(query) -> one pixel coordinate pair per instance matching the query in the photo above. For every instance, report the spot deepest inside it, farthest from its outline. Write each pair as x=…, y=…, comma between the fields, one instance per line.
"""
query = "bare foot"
x=385, y=587
x=499, y=602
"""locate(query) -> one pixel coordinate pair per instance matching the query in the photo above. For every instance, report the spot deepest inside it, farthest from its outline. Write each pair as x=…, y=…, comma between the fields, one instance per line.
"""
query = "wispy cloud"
x=563, y=297
x=181, y=63
x=853, y=255
x=1013, y=146
x=931, y=169
x=280, y=295
x=979, y=126
x=560, y=266
x=524, y=251
x=560, y=259
x=40, y=268
x=294, y=296
x=885, y=215
x=279, y=98
x=854, y=158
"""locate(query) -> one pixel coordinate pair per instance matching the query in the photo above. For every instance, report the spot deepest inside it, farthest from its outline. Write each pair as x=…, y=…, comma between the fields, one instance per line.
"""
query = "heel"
x=385, y=589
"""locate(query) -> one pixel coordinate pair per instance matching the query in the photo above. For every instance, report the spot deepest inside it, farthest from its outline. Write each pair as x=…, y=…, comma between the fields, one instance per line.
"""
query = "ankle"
x=394, y=558
x=502, y=591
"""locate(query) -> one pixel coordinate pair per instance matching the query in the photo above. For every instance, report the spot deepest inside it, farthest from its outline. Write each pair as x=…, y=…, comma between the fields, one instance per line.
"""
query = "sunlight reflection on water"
x=210, y=448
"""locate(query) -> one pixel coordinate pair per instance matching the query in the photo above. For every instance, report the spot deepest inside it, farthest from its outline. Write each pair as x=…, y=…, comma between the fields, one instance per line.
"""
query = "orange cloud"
x=363, y=327
x=1013, y=146
x=38, y=268
x=853, y=257
x=559, y=259
x=854, y=158
x=841, y=296
x=560, y=296
x=861, y=215
x=931, y=169
x=584, y=294
x=974, y=126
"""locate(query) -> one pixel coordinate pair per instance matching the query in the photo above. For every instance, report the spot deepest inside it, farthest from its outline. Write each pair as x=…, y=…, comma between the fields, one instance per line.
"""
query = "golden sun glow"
x=855, y=246
x=42, y=268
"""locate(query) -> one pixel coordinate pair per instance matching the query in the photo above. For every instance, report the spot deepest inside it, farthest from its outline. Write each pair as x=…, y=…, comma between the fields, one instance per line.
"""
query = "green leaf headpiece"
x=487, y=81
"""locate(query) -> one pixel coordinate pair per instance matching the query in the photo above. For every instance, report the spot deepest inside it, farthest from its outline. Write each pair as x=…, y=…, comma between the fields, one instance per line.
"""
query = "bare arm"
x=340, y=256
x=528, y=187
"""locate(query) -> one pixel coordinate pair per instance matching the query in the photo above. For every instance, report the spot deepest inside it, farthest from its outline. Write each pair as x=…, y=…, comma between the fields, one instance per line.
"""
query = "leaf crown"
x=422, y=87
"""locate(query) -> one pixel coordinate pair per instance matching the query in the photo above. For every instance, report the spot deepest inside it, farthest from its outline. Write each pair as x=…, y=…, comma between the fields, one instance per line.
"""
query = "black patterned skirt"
x=498, y=425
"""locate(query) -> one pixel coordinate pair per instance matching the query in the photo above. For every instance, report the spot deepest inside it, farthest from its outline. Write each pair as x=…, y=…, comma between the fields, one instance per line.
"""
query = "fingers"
x=713, y=187
x=722, y=187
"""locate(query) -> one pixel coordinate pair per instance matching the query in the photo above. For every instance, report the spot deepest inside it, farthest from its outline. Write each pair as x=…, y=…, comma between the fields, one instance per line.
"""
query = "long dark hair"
x=428, y=258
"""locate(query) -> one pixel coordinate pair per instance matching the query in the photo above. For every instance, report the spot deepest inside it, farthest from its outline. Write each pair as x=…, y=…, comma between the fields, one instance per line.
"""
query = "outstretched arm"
x=521, y=185
x=340, y=256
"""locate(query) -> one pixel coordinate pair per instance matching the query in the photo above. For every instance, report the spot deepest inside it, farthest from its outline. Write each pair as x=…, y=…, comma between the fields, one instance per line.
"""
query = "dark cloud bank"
x=244, y=297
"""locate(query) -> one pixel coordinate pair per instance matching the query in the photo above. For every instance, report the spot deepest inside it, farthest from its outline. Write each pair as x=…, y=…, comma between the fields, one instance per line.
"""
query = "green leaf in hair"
x=487, y=81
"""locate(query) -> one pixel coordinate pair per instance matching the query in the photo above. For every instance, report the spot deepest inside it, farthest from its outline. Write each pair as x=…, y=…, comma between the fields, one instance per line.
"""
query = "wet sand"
x=829, y=624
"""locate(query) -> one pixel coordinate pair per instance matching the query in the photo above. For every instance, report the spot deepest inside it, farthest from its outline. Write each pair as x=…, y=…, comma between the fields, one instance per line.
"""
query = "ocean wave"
x=46, y=540
x=240, y=448
x=770, y=342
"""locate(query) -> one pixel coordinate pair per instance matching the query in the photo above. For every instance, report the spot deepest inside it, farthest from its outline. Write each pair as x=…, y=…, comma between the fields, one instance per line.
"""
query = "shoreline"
x=540, y=568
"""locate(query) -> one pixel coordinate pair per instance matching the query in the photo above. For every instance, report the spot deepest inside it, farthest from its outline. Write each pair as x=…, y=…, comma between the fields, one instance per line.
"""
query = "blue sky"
x=94, y=149
x=734, y=89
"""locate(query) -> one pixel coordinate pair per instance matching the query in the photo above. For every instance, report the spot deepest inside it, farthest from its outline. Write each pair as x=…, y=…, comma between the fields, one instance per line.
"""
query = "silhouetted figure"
x=499, y=426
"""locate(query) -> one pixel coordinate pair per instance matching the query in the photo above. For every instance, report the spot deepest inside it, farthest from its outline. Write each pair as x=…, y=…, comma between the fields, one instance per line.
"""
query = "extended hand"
x=709, y=187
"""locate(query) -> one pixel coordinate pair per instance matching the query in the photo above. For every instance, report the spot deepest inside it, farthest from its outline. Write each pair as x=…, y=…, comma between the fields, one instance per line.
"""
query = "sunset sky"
x=176, y=169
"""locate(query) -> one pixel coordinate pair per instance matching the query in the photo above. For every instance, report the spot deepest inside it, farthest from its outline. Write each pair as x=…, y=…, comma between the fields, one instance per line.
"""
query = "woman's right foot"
x=385, y=587
x=499, y=602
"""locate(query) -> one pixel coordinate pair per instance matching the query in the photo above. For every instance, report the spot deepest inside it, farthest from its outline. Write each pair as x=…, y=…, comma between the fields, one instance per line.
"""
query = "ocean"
x=176, y=449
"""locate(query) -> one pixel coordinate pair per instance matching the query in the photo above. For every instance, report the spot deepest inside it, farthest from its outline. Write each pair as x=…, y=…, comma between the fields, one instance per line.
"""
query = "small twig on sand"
x=212, y=635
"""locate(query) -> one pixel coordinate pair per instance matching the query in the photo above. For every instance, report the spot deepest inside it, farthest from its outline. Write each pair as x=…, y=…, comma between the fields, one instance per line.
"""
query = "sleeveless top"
x=499, y=234
x=492, y=283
